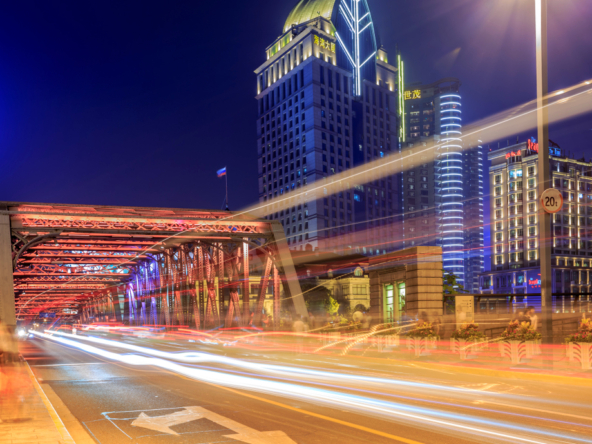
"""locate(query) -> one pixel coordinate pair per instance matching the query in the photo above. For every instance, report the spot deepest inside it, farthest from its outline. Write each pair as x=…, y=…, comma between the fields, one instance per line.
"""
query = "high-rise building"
x=327, y=102
x=443, y=191
x=515, y=209
x=473, y=207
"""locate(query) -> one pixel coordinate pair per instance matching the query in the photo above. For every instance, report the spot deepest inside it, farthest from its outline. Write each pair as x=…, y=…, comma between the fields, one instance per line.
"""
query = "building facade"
x=443, y=192
x=515, y=209
x=327, y=102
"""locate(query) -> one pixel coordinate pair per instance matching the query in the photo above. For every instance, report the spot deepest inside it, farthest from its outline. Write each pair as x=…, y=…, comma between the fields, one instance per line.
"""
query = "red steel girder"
x=103, y=224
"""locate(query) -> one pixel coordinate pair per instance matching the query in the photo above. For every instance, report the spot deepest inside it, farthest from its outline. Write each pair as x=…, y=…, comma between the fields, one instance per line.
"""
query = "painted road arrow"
x=164, y=423
x=243, y=433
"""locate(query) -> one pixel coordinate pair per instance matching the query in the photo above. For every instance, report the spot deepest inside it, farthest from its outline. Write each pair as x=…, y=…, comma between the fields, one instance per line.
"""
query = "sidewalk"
x=26, y=416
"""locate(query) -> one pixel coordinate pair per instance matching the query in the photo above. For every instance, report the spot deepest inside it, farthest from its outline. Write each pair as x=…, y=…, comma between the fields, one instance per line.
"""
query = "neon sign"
x=534, y=281
x=415, y=94
x=513, y=154
x=532, y=145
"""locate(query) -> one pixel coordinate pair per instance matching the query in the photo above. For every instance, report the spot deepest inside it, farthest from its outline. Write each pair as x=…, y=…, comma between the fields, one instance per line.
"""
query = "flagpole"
x=226, y=177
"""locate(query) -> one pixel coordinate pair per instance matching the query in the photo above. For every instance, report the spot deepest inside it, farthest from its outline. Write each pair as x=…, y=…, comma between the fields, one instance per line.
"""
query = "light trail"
x=200, y=357
x=334, y=399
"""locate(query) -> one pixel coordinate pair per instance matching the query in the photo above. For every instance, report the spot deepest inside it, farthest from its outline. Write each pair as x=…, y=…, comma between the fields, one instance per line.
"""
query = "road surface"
x=232, y=395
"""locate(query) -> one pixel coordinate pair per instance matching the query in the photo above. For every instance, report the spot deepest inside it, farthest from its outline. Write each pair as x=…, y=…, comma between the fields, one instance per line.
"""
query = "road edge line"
x=75, y=427
x=57, y=421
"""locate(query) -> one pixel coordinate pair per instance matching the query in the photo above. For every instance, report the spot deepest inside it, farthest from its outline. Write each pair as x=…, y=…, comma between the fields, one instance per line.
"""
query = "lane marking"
x=62, y=365
x=66, y=437
x=587, y=418
x=317, y=415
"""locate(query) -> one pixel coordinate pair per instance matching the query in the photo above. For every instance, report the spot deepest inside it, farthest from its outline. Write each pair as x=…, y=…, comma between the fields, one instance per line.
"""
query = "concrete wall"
x=421, y=270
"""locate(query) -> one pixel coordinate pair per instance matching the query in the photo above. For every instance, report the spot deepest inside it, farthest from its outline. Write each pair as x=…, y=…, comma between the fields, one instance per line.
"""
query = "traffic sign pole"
x=544, y=172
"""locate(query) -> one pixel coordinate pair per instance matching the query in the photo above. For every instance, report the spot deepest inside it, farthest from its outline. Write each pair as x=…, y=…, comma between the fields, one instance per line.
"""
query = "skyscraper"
x=443, y=194
x=327, y=102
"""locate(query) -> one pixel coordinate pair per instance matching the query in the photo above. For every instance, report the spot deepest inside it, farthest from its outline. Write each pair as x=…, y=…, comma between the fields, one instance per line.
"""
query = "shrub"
x=469, y=332
x=520, y=332
x=584, y=333
x=423, y=330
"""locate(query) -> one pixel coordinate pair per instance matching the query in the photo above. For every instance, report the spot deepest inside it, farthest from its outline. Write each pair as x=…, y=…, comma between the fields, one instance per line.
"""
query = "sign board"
x=552, y=200
x=465, y=309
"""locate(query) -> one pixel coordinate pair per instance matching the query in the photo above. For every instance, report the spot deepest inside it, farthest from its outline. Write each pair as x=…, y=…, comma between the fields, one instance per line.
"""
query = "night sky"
x=139, y=103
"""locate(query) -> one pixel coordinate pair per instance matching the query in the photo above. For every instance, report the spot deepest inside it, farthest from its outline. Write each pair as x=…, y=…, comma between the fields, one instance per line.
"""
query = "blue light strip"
x=452, y=179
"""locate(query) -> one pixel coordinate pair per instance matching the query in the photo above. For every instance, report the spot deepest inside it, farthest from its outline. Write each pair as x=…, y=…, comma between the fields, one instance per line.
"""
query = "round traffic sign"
x=552, y=200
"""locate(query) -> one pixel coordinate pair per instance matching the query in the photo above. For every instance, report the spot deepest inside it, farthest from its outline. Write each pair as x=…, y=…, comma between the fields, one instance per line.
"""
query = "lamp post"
x=544, y=171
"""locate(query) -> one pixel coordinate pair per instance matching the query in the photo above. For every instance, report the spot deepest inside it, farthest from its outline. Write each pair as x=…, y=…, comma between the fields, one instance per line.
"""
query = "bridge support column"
x=7, y=306
x=289, y=277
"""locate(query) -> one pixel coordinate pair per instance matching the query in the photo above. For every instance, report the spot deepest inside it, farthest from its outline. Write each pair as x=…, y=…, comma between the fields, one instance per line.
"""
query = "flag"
x=222, y=172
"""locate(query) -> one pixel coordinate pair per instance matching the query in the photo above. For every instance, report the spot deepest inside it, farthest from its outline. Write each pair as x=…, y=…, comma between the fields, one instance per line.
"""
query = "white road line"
x=587, y=418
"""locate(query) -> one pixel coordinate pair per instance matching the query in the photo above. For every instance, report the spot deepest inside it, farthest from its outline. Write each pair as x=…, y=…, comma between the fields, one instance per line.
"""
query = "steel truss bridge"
x=142, y=266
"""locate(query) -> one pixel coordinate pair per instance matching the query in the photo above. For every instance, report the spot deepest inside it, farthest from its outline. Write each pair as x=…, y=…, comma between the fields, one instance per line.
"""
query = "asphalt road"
x=260, y=397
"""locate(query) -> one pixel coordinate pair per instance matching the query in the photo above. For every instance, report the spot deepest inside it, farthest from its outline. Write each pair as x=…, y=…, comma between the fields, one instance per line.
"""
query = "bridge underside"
x=143, y=266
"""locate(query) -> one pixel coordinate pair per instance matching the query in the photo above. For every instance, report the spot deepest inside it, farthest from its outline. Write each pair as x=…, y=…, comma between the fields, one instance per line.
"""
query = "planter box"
x=421, y=346
x=515, y=350
x=533, y=348
x=465, y=347
x=386, y=341
x=582, y=352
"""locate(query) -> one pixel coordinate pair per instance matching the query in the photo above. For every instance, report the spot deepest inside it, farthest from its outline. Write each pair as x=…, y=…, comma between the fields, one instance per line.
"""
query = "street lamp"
x=544, y=170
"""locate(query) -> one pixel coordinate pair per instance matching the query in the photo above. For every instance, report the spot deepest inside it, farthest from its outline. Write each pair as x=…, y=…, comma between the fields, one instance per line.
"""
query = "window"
x=389, y=293
x=531, y=231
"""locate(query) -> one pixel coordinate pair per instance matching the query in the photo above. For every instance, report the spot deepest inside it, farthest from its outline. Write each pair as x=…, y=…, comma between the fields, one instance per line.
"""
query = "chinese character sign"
x=324, y=44
x=415, y=94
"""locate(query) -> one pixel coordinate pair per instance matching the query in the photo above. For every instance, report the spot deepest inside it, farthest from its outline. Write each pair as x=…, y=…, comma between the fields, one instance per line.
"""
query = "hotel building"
x=515, y=210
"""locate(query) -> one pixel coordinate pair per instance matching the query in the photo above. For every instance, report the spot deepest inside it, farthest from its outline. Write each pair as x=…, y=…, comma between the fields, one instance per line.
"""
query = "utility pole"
x=544, y=171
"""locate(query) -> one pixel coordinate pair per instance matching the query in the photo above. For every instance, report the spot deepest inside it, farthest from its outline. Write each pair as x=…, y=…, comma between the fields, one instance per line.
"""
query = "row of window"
x=519, y=245
x=277, y=95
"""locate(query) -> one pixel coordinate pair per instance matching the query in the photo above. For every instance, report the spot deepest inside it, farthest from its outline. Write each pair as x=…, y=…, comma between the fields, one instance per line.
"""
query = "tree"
x=317, y=297
x=451, y=287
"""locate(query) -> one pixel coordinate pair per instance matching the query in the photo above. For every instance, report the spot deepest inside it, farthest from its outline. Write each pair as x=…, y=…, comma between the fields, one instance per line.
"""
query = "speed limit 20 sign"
x=552, y=200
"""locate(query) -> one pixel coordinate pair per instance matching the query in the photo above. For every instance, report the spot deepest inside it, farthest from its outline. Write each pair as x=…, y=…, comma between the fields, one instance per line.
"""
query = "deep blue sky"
x=139, y=103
